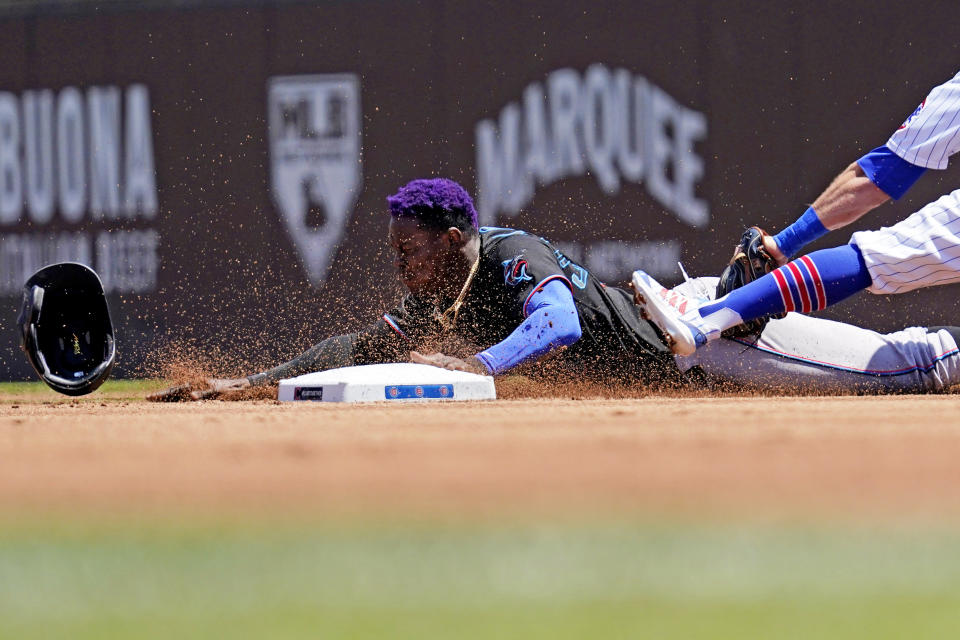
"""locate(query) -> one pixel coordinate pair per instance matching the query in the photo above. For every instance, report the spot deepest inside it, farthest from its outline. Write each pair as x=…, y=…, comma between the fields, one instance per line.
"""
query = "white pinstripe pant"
x=922, y=250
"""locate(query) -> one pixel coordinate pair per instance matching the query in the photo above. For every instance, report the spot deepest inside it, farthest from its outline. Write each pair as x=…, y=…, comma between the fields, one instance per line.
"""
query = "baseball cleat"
x=654, y=302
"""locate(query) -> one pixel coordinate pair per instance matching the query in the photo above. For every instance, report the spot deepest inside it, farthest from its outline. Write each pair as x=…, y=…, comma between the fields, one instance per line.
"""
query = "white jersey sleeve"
x=932, y=133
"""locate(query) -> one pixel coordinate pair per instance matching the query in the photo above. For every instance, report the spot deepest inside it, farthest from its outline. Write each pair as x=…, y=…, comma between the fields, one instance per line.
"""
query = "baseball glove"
x=750, y=261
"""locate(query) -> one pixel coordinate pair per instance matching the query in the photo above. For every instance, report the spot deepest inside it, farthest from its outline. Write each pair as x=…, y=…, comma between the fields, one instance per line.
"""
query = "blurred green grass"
x=110, y=390
x=477, y=581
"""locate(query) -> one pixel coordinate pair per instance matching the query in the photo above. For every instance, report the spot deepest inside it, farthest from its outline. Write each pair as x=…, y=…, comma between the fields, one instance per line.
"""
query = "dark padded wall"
x=752, y=108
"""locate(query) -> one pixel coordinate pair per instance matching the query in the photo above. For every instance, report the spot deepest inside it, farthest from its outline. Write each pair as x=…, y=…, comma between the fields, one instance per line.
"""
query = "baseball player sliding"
x=517, y=299
x=921, y=251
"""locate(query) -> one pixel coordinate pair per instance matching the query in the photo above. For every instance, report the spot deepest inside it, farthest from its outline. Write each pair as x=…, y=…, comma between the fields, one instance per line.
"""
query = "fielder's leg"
x=816, y=355
x=807, y=284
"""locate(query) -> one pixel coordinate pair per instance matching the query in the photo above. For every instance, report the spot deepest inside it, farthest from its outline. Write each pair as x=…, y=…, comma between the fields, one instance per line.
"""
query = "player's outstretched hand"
x=449, y=362
x=770, y=246
x=212, y=388
x=218, y=386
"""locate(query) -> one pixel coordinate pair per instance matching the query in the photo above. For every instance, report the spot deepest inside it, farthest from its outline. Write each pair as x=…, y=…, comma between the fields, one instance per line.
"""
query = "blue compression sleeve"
x=811, y=283
x=892, y=174
x=805, y=230
x=552, y=322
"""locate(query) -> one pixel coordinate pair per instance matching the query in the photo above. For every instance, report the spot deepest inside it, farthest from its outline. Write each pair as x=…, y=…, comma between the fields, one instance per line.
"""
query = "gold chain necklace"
x=446, y=321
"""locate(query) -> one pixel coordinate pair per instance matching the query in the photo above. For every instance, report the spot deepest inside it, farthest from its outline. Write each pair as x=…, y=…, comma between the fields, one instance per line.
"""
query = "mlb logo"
x=315, y=177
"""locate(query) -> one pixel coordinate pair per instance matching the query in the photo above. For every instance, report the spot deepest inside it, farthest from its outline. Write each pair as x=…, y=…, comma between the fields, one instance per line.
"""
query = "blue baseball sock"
x=808, y=284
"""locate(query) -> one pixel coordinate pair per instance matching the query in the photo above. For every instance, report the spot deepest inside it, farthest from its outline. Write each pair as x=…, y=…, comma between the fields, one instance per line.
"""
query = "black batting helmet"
x=66, y=329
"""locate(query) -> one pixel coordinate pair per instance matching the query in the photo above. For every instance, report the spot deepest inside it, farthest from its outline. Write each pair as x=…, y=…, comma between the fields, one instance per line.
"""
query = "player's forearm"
x=545, y=329
x=337, y=351
x=851, y=195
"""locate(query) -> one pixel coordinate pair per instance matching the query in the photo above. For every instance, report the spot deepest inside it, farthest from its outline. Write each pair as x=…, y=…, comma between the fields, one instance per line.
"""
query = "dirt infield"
x=861, y=457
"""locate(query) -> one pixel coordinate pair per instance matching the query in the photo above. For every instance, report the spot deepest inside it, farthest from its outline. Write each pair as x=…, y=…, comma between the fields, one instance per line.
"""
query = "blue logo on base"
x=410, y=391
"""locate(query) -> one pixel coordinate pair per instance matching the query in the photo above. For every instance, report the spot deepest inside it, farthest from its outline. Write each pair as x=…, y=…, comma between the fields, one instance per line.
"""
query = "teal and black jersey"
x=514, y=264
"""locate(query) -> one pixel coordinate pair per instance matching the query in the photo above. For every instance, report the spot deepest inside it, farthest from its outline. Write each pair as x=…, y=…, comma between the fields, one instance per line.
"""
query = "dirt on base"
x=861, y=457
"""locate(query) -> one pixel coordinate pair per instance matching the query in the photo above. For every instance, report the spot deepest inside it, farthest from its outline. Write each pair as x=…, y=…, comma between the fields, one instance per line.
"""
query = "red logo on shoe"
x=674, y=299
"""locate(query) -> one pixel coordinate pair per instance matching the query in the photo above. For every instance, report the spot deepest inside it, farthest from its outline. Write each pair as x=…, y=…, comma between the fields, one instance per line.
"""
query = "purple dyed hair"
x=437, y=202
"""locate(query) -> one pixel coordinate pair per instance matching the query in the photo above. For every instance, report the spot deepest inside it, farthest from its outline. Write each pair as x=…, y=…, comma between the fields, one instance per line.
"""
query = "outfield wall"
x=225, y=168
